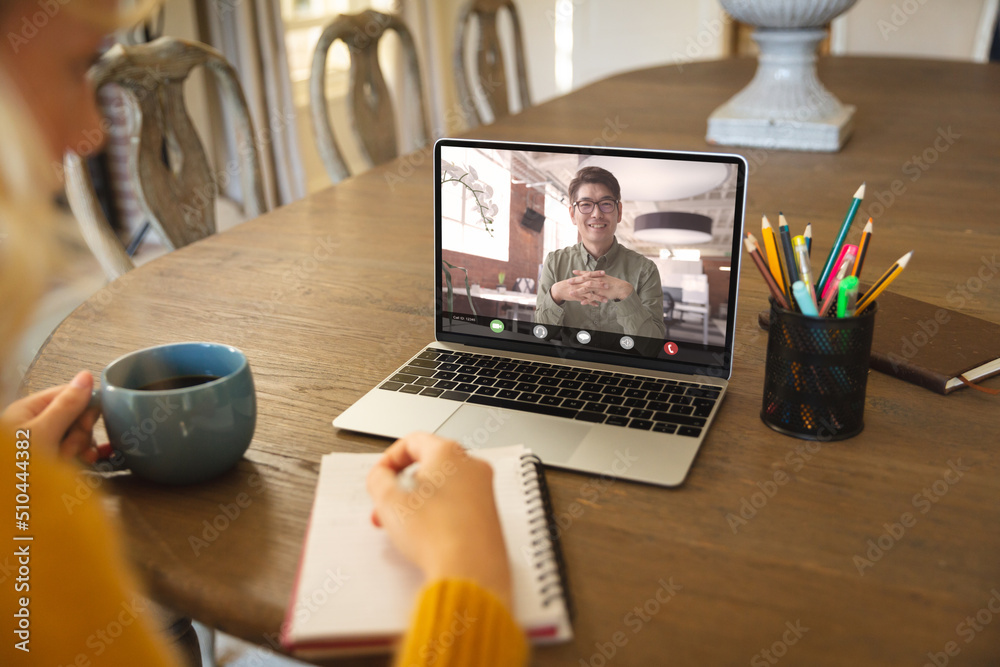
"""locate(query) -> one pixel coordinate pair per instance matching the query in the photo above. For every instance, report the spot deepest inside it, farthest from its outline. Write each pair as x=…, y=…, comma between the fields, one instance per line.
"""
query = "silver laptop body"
x=666, y=392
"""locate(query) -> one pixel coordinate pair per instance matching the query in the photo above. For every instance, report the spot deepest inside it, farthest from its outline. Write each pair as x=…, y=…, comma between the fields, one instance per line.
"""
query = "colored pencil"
x=828, y=267
x=786, y=284
x=754, y=250
x=786, y=249
x=866, y=239
x=883, y=282
x=773, y=257
x=808, y=234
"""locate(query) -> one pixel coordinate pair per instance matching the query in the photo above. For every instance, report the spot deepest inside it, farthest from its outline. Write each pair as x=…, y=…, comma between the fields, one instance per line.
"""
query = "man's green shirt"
x=640, y=314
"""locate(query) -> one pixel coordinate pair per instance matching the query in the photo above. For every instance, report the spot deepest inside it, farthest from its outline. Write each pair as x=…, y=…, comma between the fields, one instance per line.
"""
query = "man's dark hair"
x=595, y=175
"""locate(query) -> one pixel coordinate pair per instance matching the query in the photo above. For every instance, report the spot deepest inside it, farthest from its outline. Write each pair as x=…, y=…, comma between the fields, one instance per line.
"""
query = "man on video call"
x=598, y=284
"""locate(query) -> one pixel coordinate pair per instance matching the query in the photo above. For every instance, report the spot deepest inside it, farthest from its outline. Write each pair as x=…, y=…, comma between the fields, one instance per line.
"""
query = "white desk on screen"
x=515, y=299
x=694, y=295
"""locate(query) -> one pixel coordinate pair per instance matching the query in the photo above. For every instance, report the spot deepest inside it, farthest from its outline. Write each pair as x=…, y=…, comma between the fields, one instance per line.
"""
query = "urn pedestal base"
x=730, y=129
x=785, y=106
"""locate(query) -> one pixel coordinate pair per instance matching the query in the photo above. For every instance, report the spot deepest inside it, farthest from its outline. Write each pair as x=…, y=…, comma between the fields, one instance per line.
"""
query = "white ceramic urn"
x=785, y=105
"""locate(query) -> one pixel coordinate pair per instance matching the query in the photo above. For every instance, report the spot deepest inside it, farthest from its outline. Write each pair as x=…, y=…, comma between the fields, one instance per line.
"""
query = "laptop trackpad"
x=552, y=439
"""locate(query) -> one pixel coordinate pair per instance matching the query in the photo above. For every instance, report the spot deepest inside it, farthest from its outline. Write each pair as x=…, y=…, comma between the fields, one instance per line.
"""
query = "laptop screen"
x=620, y=256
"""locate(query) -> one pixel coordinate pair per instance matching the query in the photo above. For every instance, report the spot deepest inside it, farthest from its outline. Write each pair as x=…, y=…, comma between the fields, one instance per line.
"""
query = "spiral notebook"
x=355, y=593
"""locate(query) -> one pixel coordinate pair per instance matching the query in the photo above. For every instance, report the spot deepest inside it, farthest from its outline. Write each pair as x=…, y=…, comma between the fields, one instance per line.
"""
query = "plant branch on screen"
x=470, y=179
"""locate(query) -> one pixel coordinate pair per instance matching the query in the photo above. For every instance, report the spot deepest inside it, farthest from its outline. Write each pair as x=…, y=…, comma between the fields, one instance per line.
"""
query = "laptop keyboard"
x=601, y=397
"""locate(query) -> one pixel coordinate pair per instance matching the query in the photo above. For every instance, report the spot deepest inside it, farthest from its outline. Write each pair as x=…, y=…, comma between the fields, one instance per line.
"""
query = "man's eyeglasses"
x=586, y=206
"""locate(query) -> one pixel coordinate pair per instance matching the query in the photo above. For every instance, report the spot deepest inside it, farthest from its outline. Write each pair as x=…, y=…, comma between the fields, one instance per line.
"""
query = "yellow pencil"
x=774, y=262
x=883, y=282
x=866, y=238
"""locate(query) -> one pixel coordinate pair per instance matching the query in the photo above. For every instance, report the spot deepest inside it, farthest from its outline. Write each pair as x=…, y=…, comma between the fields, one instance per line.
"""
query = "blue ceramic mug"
x=178, y=414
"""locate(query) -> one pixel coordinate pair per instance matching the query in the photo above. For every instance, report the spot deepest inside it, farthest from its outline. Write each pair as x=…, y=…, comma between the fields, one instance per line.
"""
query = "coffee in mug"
x=180, y=413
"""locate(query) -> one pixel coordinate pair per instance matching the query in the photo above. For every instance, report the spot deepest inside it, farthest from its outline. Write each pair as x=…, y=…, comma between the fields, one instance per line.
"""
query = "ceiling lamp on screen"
x=673, y=228
x=660, y=180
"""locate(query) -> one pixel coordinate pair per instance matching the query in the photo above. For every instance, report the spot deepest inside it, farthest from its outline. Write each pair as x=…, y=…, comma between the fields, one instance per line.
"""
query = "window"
x=304, y=22
x=463, y=229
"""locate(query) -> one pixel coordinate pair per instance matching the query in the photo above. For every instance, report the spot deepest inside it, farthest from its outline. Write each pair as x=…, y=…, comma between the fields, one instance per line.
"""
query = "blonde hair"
x=26, y=215
x=28, y=251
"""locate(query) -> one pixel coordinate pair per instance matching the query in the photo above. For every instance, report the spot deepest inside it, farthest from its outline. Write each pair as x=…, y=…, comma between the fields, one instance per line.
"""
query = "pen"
x=773, y=259
x=866, y=239
x=883, y=282
x=834, y=283
x=802, y=297
x=835, y=250
x=751, y=245
x=847, y=254
x=805, y=270
x=847, y=299
x=407, y=478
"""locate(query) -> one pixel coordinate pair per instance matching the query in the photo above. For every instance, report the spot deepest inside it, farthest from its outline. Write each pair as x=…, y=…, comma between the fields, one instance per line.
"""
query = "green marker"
x=847, y=297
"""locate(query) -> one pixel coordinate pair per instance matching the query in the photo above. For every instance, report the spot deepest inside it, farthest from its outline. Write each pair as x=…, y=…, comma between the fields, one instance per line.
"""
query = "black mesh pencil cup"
x=816, y=374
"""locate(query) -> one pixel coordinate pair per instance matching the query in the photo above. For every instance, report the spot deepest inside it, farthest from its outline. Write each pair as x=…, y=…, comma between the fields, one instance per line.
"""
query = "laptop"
x=618, y=374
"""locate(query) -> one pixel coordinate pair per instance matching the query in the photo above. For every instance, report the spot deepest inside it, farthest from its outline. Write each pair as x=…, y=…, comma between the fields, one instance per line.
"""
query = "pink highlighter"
x=853, y=249
x=843, y=267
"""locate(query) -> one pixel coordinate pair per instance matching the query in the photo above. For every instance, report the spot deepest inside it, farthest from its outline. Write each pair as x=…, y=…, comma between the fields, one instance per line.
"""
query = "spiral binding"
x=548, y=549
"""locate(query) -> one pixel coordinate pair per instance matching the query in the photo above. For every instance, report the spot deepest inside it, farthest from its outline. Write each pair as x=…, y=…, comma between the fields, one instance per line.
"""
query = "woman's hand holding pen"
x=447, y=523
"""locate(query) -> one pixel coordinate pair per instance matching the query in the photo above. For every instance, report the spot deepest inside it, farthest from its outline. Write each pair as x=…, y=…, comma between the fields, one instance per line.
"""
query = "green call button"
x=497, y=326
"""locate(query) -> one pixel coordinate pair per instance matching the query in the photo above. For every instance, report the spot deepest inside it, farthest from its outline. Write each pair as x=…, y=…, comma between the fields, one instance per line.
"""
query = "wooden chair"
x=369, y=103
x=168, y=169
x=491, y=75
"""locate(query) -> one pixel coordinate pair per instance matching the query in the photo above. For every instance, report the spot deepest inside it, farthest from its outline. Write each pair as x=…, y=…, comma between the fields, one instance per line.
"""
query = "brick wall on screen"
x=526, y=246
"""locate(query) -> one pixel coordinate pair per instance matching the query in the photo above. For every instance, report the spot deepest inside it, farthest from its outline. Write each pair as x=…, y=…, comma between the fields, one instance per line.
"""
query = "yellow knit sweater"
x=70, y=599
x=83, y=605
x=457, y=622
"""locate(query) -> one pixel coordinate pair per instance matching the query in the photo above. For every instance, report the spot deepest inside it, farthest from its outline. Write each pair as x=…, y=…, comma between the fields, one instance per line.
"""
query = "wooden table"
x=328, y=295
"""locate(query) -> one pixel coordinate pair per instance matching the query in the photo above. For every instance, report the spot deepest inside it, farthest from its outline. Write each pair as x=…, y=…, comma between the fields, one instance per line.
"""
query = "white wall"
x=611, y=37
x=950, y=29
x=179, y=20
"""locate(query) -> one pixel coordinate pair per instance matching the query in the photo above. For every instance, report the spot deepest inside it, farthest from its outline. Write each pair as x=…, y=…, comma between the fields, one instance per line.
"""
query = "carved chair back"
x=168, y=168
x=369, y=103
x=491, y=74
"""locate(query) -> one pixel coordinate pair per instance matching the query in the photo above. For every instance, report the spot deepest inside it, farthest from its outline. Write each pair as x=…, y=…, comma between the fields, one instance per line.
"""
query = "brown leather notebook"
x=929, y=345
